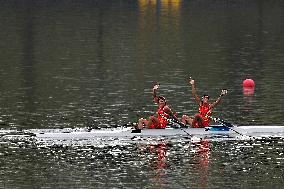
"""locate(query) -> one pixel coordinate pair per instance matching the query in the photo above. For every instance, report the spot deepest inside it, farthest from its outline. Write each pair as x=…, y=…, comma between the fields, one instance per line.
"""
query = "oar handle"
x=178, y=122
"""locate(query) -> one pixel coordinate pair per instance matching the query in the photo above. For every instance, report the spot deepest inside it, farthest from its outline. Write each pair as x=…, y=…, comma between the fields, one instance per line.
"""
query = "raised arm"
x=193, y=90
x=223, y=92
x=155, y=97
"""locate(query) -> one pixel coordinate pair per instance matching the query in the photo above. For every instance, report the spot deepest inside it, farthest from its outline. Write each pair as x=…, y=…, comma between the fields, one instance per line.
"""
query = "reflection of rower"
x=203, y=155
x=157, y=154
x=160, y=164
x=202, y=119
x=164, y=112
x=160, y=150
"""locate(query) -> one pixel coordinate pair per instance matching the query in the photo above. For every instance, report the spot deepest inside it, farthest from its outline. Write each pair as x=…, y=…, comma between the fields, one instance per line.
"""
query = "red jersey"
x=162, y=115
x=205, y=113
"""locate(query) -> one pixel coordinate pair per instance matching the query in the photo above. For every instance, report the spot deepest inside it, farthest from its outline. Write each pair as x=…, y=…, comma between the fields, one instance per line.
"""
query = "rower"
x=163, y=113
x=202, y=119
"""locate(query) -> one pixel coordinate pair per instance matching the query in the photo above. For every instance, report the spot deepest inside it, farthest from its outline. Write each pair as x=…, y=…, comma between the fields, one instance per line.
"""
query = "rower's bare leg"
x=186, y=120
x=190, y=121
x=197, y=119
x=141, y=123
x=152, y=120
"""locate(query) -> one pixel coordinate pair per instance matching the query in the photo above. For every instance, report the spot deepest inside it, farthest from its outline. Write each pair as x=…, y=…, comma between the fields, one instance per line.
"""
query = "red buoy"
x=248, y=87
x=248, y=83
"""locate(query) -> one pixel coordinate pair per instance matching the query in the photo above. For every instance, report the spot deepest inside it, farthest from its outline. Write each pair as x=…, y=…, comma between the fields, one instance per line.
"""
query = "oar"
x=228, y=125
x=177, y=122
x=224, y=123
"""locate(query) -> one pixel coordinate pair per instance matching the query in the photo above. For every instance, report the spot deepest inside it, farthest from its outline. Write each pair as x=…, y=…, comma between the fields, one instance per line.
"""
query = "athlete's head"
x=205, y=98
x=162, y=100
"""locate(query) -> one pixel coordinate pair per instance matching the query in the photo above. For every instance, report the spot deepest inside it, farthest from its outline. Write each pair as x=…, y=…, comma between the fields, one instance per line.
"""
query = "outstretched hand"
x=224, y=92
x=191, y=81
x=156, y=87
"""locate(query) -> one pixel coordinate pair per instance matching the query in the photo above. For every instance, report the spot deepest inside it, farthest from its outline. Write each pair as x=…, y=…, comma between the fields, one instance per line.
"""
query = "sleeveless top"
x=162, y=117
x=205, y=113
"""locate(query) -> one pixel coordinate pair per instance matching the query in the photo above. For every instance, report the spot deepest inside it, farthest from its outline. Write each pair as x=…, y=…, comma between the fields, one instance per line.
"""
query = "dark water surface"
x=93, y=63
x=152, y=164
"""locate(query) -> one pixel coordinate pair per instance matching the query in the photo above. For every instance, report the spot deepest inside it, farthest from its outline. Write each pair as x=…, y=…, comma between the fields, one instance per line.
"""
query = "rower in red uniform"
x=202, y=119
x=163, y=113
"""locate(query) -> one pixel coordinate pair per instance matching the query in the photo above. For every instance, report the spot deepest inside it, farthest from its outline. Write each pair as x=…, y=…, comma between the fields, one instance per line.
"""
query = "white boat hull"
x=127, y=132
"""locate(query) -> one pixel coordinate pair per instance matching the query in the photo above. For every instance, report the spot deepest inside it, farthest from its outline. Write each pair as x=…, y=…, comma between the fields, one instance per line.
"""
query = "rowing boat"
x=128, y=132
